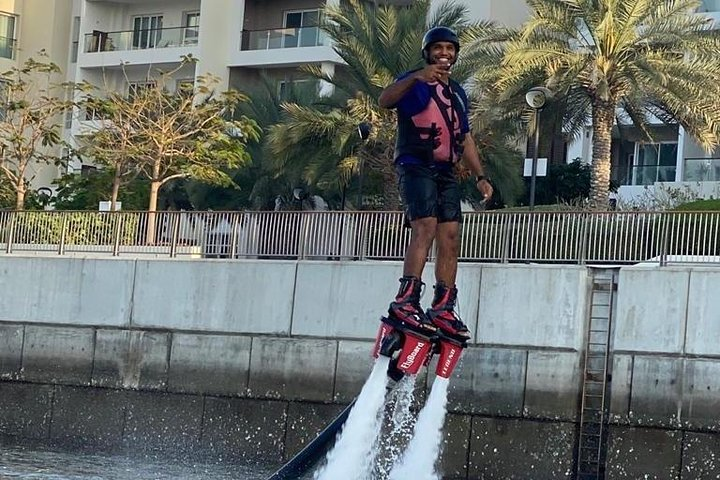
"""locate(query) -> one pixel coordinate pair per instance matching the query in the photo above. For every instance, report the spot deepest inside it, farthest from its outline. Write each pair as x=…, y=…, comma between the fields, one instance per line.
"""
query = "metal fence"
x=557, y=237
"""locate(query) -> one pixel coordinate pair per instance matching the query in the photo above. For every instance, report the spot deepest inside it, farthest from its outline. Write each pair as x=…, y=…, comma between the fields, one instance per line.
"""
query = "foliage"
x=660, y=198
x=272, y=177
x=565, y=183
x=79, y=228
x=258, y=184
x=7, y=194
x=650, y=59
x=30, y=122
x=85, y=192
x=711, y=205
x=377, y=42
x=165, y=135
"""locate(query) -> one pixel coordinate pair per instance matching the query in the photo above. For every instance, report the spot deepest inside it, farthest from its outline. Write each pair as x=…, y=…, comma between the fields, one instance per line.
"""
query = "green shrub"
x=81, y=228
x=711, y=205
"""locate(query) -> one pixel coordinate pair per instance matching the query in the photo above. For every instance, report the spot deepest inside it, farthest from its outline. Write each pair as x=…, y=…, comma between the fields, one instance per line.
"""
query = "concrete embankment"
x=248, y=359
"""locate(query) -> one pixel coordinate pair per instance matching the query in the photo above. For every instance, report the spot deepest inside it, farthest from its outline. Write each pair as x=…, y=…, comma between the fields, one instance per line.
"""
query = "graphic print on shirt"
x=440, y=113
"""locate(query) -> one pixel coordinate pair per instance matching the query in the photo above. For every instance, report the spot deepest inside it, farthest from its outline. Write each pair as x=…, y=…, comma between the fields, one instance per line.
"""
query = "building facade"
x=647, y=172
x=26, y=28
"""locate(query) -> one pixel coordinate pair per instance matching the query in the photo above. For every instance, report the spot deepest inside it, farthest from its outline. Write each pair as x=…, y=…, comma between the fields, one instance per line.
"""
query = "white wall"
x=220, y=32
x=505, y=12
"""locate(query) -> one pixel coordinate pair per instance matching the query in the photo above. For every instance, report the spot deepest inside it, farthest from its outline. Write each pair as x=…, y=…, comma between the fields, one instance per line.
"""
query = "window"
x=7, y=36
x=192, y=28
x=64, y=165
x=136, y=89
x=88, y=170
x=69, y=111
x=76, y=39
x=655, y=162
x=290, y=90
x=301, y=28
x=147, y=31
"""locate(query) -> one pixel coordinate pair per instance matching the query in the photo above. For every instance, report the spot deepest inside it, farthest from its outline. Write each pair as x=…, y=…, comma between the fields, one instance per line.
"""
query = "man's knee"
x=448, y=235
x=424, y=229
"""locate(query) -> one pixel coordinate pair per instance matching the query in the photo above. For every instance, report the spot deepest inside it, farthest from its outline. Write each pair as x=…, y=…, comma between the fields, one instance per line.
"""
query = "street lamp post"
x=536, y=98
x=364, y=129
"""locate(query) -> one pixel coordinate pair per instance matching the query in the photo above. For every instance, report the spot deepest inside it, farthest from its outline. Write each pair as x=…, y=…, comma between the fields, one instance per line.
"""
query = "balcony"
x=140, y=39
x=701, y=170
x=283, y=38
x=649, y=174
x=284, y=47
x=8, y=46
x=155, y=45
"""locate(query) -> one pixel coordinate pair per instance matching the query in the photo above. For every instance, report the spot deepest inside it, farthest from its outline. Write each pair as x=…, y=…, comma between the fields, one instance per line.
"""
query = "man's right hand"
x=435, y=72
x=431, y=73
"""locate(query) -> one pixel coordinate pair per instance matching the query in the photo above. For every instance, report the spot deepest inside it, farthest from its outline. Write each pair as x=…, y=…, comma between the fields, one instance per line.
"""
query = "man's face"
x=442, y=53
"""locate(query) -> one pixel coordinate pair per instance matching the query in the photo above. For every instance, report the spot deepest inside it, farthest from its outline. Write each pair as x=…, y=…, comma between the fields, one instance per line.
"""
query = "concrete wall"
x=214, y=342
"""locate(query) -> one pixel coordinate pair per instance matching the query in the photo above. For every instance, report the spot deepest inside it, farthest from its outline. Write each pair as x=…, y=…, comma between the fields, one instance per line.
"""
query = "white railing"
x=140, y=39
x=311, y=36
x=557, y=237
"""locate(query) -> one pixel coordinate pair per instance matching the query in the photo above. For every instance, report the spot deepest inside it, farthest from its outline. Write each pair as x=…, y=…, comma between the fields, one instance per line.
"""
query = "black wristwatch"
x=480, y=178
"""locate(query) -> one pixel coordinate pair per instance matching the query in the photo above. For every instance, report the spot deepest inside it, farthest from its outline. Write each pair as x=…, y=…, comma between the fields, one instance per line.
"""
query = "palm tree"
x=641, y=59
x=377, y=43
x=273, y=177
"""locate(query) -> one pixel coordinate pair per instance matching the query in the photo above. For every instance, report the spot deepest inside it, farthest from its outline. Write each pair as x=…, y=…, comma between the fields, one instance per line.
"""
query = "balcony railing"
x=557, y=237
x=8, y=46
x=140, y=39
x=701, y=170
x=283, y=38
x=649, y=174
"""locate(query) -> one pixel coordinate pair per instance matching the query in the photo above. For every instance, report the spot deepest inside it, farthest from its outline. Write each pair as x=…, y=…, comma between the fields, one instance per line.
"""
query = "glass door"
x=656, y=162
x=7, y=36
x=191, y=31
x=147, y=31
x=301, y=28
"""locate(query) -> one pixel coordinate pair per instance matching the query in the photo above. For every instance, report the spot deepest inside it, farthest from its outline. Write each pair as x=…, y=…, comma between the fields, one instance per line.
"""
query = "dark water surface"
x=33, y=463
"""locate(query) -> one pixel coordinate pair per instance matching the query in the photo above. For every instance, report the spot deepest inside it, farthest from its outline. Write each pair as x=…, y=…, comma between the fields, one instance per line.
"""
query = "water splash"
x=397, y=429
x=350, y=457
x=418, y=462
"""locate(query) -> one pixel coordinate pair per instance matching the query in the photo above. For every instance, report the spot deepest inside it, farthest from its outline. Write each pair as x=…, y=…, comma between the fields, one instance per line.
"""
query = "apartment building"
x=118, y=43
x=26, y=27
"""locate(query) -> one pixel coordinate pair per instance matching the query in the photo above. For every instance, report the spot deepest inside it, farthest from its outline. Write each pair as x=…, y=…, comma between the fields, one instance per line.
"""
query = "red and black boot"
x=442, y=313
x=406, y=306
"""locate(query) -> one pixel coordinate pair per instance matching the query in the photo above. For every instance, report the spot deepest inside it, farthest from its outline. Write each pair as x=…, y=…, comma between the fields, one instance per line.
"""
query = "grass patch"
x=699, y=206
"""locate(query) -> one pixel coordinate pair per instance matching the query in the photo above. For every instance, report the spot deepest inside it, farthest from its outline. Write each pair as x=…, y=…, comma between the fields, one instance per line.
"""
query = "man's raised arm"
x=394, y=92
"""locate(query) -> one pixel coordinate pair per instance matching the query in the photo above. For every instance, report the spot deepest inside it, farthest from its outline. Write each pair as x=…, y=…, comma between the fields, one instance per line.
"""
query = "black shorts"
x=429, y=192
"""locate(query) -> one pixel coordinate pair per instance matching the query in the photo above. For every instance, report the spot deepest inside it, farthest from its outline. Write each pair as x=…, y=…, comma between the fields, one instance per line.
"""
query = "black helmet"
x=439, y=34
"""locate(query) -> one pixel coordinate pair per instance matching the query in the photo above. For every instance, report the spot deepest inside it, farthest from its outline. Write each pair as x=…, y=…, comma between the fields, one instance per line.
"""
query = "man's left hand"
x=485, y=188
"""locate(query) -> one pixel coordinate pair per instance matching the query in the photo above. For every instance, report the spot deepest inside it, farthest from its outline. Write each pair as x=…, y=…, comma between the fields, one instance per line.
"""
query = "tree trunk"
x=603, y=113
x=20, y=196
x=115, y=190
x=152, y=207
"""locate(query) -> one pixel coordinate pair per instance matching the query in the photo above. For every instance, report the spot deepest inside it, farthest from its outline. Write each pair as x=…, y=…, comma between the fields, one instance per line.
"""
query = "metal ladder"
x=592, y=444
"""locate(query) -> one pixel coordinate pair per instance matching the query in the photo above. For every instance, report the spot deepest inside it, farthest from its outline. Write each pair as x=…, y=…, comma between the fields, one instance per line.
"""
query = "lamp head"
x=537, y=97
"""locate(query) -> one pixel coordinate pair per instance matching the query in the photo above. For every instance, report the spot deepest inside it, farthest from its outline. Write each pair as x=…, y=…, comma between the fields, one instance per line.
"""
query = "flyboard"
x=408, y=349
